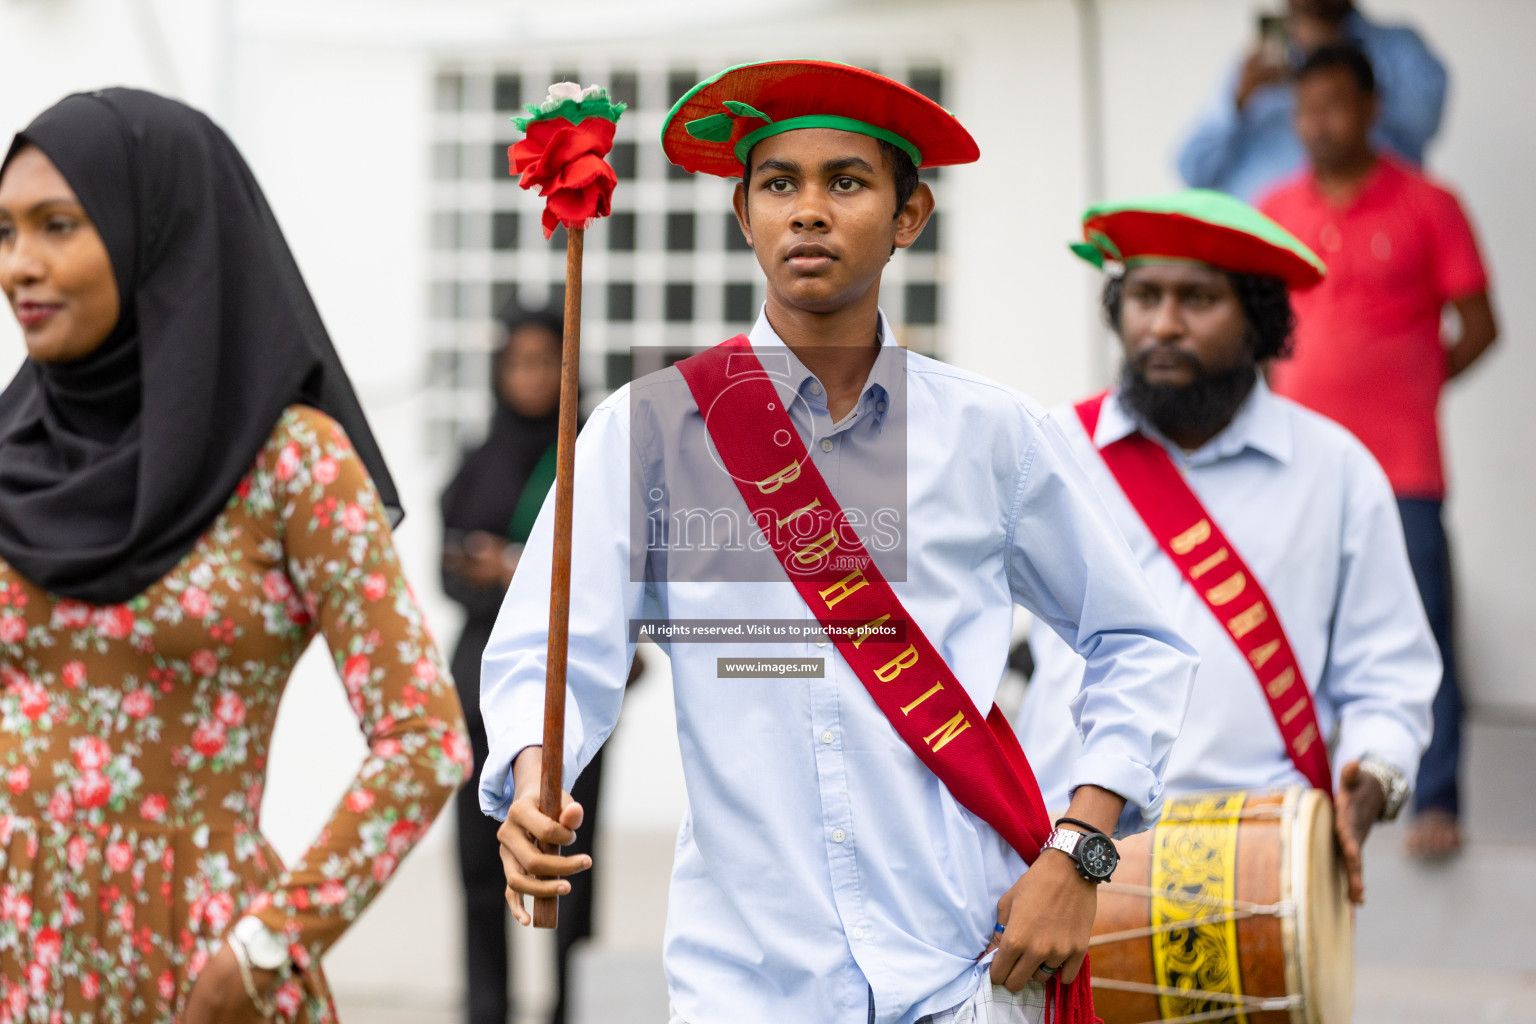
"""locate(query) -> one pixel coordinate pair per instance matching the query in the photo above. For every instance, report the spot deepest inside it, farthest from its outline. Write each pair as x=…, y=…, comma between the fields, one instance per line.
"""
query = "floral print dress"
x=134, y=739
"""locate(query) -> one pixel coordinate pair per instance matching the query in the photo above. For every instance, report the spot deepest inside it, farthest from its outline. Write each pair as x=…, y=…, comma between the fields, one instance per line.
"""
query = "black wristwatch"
x=1093, y=852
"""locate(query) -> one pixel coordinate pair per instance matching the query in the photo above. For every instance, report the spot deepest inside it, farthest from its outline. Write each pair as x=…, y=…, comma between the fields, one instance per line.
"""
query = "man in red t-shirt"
x=1370, y=352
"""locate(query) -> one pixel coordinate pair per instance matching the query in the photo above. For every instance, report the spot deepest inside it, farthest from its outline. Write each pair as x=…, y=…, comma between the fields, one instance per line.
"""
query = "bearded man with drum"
x=1270, y=534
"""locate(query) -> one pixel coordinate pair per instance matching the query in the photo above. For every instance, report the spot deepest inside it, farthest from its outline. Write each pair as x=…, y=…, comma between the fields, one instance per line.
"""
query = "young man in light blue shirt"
x=824, y=872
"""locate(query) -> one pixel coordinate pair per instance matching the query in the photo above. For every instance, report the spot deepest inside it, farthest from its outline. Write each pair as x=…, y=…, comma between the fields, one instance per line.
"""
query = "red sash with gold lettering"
x=1211, y=565
x=977, y=757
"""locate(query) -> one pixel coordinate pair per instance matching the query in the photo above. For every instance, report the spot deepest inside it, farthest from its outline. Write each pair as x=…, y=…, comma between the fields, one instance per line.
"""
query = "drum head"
x=1325, y=931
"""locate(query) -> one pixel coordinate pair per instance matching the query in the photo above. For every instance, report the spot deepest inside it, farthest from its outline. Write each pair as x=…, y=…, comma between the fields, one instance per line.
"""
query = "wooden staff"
x=546, y=908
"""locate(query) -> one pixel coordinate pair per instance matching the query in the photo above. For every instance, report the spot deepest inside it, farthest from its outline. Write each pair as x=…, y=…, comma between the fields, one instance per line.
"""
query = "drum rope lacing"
x=1238, y=1004
x=1235, y=910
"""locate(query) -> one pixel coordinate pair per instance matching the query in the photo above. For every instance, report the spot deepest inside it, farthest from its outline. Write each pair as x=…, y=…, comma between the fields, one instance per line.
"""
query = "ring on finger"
x=1047, y=969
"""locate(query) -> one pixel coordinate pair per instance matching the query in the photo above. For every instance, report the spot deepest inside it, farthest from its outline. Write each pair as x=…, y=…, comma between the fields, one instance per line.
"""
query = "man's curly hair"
x=1266, y=308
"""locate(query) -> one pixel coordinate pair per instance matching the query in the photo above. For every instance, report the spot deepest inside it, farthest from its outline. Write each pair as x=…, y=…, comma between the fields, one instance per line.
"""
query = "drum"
x=1233, y=908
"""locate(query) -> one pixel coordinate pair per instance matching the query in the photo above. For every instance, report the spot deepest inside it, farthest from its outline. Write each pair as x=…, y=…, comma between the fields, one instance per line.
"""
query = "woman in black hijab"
x=111, y=471
x=488, y=510
x=189, y=491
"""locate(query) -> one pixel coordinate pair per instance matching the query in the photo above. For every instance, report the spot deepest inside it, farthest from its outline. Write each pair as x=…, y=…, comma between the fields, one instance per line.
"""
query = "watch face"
x=1098, y=857
x=265, y=948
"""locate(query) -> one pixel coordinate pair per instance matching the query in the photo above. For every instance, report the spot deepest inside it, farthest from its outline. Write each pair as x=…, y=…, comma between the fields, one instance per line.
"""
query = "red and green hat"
x=717, y=122
x=1197, y=226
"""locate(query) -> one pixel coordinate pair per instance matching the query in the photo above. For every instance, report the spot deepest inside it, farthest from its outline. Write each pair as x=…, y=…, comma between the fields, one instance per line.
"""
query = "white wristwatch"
x=263, y=948
x=1394, y=784
x=256, y=945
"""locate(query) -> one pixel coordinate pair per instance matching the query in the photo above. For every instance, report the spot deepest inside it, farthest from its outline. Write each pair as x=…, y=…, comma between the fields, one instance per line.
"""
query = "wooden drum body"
x=1233, y=908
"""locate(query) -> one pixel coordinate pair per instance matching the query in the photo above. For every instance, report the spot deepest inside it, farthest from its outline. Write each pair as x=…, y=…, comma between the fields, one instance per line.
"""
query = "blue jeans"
x=1430, y=557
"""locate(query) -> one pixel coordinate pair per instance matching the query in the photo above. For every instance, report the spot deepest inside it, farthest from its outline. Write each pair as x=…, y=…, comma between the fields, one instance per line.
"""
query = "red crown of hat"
x=707, y=126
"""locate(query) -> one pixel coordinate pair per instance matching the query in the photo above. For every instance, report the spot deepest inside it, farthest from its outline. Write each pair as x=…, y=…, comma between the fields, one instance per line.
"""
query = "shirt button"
x=815, y=388
x=826, y=737
x=880, y=407
x=821, y=643
x=838, y=835
x=826, y=444
x=857, y=933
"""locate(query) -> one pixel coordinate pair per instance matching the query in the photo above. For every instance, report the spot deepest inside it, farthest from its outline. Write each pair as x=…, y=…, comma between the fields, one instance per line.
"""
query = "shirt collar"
x=1260, y=424
x=882, y=382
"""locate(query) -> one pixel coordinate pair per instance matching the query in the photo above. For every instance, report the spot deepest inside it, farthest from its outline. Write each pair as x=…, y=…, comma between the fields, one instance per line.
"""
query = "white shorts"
x=994, y=1004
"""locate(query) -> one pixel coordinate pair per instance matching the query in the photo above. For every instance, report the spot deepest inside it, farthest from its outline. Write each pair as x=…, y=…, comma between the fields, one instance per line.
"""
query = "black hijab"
x=112, y=467
x=485, y=492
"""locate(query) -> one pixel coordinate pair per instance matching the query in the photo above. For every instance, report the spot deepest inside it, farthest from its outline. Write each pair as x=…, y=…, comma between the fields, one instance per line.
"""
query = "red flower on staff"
x=564, y=161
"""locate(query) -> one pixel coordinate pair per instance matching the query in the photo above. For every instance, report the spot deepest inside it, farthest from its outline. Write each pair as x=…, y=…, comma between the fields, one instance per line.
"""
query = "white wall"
x=1487, y=151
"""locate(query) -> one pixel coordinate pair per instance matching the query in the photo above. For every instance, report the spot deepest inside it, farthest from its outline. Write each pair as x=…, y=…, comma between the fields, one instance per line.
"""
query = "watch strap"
x=264, y=1006
x=1064, y=839
x=1394, y=784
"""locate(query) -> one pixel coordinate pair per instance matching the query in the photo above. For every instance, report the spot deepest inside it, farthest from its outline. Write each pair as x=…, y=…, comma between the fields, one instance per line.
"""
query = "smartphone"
x=1274, y=38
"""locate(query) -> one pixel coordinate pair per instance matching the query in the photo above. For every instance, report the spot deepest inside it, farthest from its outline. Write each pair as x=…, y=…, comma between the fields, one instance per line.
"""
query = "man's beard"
x=1201, y=407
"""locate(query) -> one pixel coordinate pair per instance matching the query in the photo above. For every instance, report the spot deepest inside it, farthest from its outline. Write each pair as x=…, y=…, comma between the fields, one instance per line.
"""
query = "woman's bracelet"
x=266, y=1007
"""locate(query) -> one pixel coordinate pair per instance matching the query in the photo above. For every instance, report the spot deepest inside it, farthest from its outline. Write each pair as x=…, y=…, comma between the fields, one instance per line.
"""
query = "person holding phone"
x=1243, y=142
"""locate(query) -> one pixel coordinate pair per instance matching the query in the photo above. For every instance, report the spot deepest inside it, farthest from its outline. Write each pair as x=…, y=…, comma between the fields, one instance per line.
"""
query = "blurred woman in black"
x=488, y=511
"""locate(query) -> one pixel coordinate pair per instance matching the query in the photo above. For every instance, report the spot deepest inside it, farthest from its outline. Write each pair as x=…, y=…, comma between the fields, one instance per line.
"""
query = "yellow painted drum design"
x=1233, y=908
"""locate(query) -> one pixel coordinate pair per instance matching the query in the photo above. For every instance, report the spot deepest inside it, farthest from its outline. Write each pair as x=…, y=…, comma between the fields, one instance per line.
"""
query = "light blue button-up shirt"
x=1250, y=151
x=1312, y=515
x=821, y=867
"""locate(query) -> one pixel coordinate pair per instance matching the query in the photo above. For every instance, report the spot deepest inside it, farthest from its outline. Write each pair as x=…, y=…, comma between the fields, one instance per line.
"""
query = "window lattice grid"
x=668, y=269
